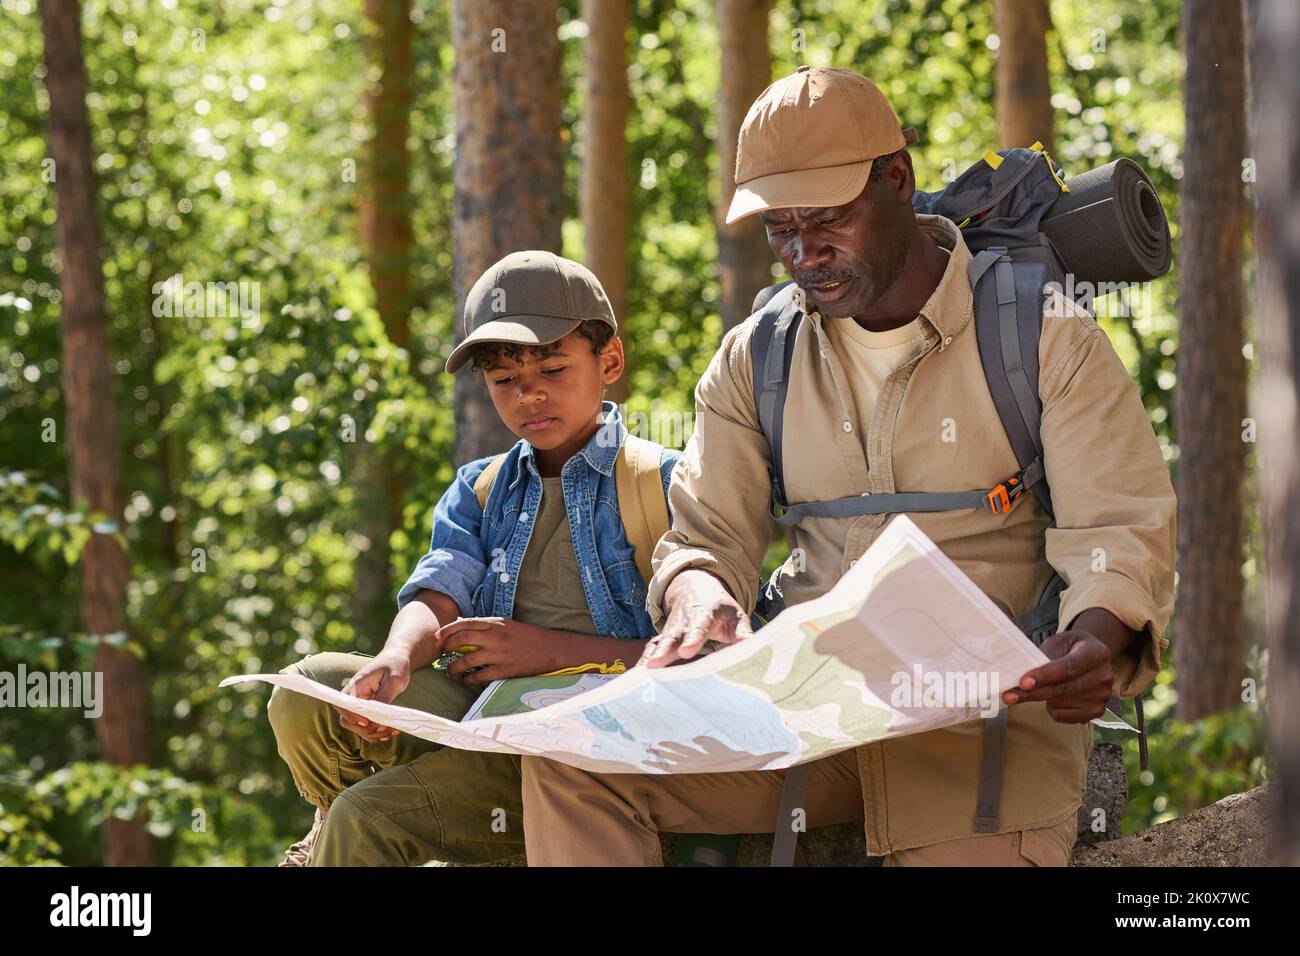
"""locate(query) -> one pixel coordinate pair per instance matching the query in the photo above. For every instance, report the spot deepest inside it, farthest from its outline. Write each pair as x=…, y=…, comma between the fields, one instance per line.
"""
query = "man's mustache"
x=816, y=277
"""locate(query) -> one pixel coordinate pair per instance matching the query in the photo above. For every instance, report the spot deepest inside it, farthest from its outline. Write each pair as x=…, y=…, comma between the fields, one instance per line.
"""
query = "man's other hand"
x=1075, y=683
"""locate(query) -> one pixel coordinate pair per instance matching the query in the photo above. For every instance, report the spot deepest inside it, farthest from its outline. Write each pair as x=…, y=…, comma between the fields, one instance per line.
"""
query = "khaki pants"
x=575, y=818
x=404, y=802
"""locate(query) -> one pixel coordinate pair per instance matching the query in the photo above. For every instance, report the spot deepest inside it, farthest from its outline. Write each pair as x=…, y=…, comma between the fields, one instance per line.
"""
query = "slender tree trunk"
x=1024, y=89
x=744, y=259
x=1210, y=402
x=385, y=215
x=123, y=727
x=509, y=177
x=385, y=226
x=1275, y=89
x=604, y=191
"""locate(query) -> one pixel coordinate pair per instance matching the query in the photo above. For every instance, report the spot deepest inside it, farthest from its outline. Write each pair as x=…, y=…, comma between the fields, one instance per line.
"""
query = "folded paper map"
x=902, y=644
x=518, y=695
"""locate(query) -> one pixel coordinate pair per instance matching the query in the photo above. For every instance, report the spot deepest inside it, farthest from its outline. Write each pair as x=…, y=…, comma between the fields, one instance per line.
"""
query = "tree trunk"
x=744, y=259
x=1210, y=402
x=509, y=177
x=385, y=214
x=1024, y=88
x=1275, y=89
x=385, y=226
x=604, y=190
x=123, y=727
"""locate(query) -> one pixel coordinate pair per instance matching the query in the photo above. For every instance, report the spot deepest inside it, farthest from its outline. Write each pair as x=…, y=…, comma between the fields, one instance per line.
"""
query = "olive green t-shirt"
x=549, y=590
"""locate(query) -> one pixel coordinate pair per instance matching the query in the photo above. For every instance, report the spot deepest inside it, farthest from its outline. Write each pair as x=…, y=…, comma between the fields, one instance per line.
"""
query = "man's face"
x=846, y=257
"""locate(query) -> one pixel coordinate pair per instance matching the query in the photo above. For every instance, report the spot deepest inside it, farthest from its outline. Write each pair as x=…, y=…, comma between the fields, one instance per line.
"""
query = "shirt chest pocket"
x=625, y=584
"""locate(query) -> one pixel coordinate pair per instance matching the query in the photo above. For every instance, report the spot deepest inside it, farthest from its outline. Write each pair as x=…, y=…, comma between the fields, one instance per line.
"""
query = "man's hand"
x=1076, y=682
x=700, y=609
x=502, y=647
x=382, y=679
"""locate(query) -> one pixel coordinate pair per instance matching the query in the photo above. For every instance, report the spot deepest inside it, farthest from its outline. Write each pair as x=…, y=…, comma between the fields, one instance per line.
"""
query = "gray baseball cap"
x=530, y=298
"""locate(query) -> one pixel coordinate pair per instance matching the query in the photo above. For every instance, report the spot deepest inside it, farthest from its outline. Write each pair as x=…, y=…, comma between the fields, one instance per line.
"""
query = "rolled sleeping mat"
x=1110, y=226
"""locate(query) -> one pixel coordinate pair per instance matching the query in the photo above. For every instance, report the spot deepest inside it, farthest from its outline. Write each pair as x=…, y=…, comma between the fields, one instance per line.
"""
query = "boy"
x=539, y=577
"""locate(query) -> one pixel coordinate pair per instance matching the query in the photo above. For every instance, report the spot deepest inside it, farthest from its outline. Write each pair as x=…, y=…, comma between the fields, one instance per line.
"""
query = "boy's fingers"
x=447, y=632
x=365, y=685
x=486, y=676
x=347, y=716
x=474, y=659
x=467, y=624
x=372, y=732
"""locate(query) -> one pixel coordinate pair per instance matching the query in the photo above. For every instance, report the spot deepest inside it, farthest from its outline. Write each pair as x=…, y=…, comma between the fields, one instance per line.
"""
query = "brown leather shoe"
x=300, y=853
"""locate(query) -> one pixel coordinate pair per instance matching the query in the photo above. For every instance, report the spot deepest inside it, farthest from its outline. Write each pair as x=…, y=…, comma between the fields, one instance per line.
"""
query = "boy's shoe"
x=300, y=853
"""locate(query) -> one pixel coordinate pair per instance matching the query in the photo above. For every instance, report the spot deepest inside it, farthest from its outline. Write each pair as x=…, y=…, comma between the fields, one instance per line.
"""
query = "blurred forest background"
x=265, y=478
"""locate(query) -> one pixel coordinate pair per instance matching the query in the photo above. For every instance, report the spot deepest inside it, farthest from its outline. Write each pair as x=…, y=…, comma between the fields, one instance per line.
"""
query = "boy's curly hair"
x=487, y=355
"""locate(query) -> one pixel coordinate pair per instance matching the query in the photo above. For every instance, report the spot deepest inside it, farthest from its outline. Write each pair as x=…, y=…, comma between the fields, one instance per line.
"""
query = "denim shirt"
x=475, y=555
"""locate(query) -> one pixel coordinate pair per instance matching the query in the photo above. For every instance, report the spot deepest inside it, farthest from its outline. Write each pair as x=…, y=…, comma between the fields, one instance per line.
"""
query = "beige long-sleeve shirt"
x=934, y=427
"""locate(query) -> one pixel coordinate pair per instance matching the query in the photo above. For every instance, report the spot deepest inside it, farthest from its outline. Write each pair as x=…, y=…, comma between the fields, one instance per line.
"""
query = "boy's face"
x=552, y=395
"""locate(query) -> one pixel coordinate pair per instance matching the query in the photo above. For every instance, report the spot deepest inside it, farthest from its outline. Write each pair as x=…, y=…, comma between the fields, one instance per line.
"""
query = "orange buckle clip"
x=1001, y=497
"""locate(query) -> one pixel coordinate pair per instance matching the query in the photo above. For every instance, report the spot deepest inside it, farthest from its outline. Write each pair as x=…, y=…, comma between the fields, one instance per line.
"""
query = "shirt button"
x=948, y=340
x=848, y=427
x=505, y=576
x=523, y=516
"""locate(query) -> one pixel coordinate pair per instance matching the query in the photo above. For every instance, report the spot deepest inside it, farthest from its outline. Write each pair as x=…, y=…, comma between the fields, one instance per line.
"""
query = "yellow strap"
x=641, y=498
x=483, y=483
x=618, y=667
x=1038, y=148
x=1052, y=169
x=992, y=158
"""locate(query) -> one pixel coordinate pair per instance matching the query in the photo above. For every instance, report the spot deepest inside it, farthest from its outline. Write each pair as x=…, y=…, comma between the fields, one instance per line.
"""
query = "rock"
x=1232, y=832
x=1107, y=792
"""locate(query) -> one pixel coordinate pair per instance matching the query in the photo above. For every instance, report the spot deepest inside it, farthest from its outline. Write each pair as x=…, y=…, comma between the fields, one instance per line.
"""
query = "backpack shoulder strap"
x=486, y=478
x=771, y=353
x=641, y=501
x=1008, y=326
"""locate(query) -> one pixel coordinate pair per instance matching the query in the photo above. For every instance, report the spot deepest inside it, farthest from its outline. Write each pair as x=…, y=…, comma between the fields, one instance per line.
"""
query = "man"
x=888, y=393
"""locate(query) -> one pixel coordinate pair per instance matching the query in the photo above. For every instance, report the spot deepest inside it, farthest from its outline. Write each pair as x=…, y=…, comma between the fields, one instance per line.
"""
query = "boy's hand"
x=505, y=648
x=382, y=679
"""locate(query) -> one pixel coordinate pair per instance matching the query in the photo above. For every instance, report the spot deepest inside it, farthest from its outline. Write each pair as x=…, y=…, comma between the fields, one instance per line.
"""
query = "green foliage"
x=223, y=137
x=1192, y=763
x=24, y=818
x=195, y=824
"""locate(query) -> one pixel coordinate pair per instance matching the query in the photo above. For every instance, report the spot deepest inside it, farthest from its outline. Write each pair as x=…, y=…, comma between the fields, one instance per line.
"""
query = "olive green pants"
x=404, y=802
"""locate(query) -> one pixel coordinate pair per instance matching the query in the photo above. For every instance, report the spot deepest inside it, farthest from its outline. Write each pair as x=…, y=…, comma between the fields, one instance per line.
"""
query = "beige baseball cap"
x=532, y=297
x=809, y=140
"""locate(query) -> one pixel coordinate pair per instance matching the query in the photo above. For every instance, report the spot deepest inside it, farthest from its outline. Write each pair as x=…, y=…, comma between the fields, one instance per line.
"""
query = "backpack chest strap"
x=996, y=500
